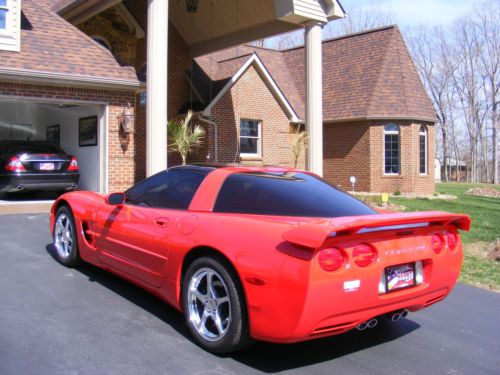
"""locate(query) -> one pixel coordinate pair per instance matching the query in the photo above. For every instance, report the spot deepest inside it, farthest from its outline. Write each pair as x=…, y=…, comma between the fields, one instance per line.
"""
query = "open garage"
x=70, y=124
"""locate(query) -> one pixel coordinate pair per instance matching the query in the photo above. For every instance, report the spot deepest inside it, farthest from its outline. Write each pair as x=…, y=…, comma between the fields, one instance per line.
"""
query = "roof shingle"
x=365, y=75
x=49, y=44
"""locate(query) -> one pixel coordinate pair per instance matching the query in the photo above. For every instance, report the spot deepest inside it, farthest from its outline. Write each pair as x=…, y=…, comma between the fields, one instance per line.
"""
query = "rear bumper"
x=324, y=307
x=10, y=183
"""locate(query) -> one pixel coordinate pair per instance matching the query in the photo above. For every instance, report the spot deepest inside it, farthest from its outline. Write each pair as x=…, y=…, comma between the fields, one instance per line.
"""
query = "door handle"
x=161, y=222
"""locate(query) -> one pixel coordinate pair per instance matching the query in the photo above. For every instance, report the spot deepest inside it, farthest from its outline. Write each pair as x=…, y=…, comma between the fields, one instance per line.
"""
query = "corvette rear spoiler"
x=314, y=234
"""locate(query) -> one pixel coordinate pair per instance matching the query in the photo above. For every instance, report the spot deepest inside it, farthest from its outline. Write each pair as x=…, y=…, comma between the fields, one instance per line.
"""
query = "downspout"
x=210, y=122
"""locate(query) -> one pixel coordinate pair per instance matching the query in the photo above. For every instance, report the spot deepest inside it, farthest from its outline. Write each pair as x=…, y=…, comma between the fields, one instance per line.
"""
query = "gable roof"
x=54, y=50
x=368, y=75
x=255, y=61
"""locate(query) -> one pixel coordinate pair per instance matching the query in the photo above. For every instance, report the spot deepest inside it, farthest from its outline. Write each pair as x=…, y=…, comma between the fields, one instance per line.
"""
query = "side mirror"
x=115, y=199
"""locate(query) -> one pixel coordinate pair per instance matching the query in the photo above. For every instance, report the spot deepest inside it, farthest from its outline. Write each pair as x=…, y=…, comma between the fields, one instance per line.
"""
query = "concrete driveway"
x=55, y=320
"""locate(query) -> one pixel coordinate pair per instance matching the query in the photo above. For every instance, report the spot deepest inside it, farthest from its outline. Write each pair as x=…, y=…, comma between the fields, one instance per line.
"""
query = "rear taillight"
x=364, y=255
x=437, y=243
x=73, y=164
x=14, y=165
x=452, y=239
x=331, y=259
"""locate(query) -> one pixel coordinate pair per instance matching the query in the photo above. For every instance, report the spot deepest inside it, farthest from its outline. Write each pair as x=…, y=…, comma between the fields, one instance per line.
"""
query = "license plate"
x=46, y=166
x=400, y=276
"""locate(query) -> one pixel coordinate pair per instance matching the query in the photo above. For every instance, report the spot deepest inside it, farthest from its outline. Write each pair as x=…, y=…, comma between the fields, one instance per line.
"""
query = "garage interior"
x=24, y=119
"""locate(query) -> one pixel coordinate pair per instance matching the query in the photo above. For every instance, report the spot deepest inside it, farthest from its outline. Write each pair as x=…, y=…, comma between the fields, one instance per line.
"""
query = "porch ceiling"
x=224, y=23
x=219, y=24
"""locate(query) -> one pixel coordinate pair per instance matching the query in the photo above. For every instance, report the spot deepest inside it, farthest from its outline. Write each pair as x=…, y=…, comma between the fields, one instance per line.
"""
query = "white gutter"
x=69, y=79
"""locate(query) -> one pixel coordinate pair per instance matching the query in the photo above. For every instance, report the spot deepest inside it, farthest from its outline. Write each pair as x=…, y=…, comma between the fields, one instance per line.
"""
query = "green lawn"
x=483, y=211
x=485, y=216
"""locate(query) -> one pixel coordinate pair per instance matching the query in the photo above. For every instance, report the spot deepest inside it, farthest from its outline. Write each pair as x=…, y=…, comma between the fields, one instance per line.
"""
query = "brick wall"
x=121, y=150
x=409, y=180
x=250, y=98
x=346, y=153
x=357, y=149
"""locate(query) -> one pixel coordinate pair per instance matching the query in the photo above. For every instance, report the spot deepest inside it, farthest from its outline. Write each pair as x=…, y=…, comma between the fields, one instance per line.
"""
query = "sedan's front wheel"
x=65, y=240
x=214, y=306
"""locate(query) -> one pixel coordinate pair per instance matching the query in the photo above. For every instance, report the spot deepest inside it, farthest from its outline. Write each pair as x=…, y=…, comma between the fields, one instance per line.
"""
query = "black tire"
x=64, y=238
x=225, y=284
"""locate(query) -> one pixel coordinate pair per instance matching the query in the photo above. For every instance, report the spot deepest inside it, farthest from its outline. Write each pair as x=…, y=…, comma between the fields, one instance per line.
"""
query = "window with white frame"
x=391, y=149
x=250, y=138
x=4, y=15
x=10, y=25
x=422, y=137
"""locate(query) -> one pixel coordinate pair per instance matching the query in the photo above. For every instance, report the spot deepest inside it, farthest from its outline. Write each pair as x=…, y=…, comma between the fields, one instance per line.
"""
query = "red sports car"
x=272, y=254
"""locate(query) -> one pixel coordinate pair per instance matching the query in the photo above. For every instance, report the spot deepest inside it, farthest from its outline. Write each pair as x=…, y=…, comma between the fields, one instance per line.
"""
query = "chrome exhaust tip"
x=403, y=314
x=362, y=326
x=19, y=187
x=372, y=323
x=395, y=316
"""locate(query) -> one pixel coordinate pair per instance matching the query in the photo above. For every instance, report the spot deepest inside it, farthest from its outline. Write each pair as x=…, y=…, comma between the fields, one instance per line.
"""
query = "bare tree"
x=431, y=54
x=359, y=19
x=488, y=43
x=468, y=83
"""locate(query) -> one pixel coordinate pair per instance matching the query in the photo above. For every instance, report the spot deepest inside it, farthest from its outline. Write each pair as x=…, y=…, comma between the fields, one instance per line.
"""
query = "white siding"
x=299, y=11
x=10, y=39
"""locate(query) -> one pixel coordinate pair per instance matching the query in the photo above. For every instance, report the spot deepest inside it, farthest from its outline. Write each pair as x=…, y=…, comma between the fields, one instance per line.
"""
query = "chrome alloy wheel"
x=63, y=236
x=209, y=305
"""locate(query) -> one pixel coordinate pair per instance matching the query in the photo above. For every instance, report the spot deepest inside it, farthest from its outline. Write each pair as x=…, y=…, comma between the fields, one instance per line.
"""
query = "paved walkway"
x=25, y=207
x=27, y=203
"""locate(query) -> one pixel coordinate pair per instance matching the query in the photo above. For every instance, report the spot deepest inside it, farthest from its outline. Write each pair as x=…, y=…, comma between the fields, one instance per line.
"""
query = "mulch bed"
x=484, y=192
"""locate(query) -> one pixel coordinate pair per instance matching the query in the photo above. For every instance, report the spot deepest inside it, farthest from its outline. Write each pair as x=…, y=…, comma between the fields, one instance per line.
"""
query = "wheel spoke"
x=210, y=276
x=203, y=321
x=222, y=300
x=199, y=295
x=218, y=324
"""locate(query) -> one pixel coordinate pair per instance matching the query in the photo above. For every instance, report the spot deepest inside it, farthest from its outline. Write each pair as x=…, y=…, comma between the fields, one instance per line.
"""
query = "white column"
x=314, y=97
x=156, y=111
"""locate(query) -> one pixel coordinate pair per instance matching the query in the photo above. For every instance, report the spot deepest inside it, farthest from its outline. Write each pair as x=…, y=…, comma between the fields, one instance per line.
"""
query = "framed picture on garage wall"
x=87, y=131
x=54, y=134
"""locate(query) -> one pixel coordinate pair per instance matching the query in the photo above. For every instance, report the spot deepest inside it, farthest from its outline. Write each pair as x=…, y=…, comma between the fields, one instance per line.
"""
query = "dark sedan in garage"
x=36, y=166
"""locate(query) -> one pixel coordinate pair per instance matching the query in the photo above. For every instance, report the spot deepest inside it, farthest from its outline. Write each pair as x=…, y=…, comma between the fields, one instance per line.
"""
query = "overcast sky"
x=413, y=12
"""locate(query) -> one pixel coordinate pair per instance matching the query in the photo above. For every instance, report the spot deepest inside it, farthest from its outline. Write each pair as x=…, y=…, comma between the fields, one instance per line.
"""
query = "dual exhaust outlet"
x=372, y=323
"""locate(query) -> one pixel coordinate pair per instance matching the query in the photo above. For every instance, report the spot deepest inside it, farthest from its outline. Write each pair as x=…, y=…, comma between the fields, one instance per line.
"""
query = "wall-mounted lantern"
x=126, y=119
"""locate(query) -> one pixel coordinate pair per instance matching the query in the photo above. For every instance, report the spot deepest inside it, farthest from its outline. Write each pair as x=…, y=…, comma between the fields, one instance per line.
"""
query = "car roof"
x=209, y=167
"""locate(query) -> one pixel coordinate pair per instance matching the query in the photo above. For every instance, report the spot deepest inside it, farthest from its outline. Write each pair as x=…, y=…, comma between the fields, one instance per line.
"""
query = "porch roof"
x=223, y=23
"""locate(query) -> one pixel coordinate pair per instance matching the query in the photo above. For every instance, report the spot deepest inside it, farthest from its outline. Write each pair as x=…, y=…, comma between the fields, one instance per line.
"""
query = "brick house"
x=75, y=60
x=378, y=120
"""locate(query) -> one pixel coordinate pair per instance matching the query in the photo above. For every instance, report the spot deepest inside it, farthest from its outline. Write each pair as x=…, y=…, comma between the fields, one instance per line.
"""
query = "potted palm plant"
x=184, y=137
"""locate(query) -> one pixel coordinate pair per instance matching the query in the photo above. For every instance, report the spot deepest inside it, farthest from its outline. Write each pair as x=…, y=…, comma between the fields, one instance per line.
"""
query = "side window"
x=422, y=140
x=4, y=13
x=391, y=149
x=172, y=189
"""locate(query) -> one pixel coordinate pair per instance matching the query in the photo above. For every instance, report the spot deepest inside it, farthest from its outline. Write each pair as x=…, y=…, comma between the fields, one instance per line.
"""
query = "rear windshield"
x=286, y=194
x=38, y=148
